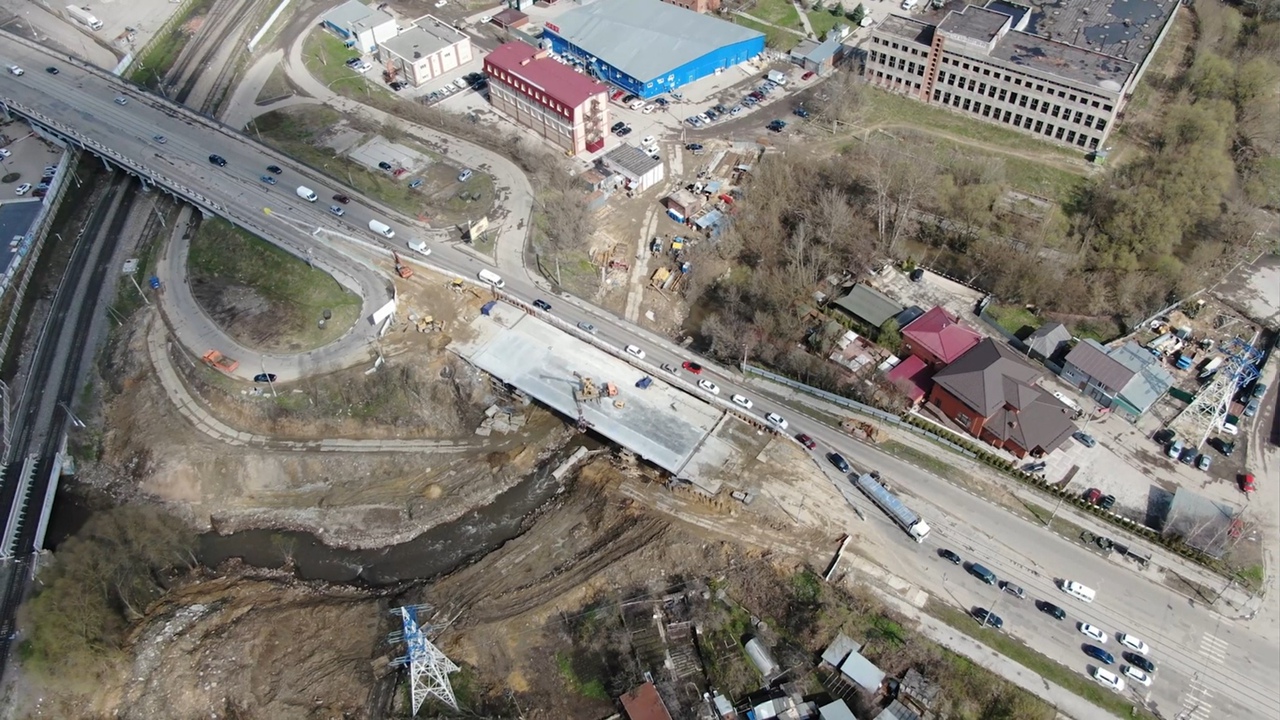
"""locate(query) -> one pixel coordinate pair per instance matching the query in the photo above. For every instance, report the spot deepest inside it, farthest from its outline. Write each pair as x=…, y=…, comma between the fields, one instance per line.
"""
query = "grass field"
x=277, y=86
x=773, y=37
x=324, y=55
x=822, y=20
x=1013, y=317
x=263, y=296
x=1047, y=668
x=778, y=12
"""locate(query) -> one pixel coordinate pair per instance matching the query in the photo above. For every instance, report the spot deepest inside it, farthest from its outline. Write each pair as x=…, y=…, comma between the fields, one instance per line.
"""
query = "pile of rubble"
x=500, y=420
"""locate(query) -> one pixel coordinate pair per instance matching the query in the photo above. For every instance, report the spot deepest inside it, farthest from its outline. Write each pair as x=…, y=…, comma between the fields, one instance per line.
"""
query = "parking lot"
x=24, y=160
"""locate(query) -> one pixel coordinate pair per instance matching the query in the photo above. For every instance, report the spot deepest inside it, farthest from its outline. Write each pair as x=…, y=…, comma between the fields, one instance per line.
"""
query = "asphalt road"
x=1209, y=666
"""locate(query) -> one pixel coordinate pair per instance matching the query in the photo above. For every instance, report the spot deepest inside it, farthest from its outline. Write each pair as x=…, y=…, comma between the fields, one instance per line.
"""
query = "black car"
x=274, y=169
x=264, y=378
x=218, y=160
x=693, y=147
x=628, y=99
x=542, y=305
x=800, y=113
x=617, y=126
x=1107, y=501
x=1049, y=608
x=1188, y=456
x=838, y=460
x=1099, y=654
x=397, y=86
x=1140, y=661
x=52, y=70
x=951, y=555
x=385, y=165
x=1226, y=447
x=342, y=198
x=988, y=618
x=624, y=131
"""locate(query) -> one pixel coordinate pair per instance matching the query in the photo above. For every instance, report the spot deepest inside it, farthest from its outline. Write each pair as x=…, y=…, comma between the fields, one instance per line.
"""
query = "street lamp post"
x=270, y=383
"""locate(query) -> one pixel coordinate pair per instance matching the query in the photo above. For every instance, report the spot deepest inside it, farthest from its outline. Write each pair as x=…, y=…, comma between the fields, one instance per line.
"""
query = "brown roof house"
x=643, y=703
x=938, y=338
x=991, y=392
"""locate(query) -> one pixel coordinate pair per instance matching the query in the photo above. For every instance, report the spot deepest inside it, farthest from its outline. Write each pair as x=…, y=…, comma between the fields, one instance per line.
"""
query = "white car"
x=736, y=110
x=1106, y=678
x=635, y=352
x=1136, y=675
x=709, y=387
x=647, y=140
x=4, y=153
x=15, y=70
x=649, y=108
x=484, y=19
x=1229, y=427
x=742, y=401
x=441, y=3
x=705, y=120
x=776, y=420
x=636, y=104
x=23, y=189
x=1132, y=643
x=122, y=101
x=1093, y=632
x=460, y=83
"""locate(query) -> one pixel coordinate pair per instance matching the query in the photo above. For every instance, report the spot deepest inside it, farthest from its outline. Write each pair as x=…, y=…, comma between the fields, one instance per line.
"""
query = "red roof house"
x=912, y=376
x=643, y=703
x=938, y=338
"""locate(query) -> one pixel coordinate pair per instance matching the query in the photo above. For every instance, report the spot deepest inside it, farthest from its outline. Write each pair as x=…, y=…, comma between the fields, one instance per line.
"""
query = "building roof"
x=975, y=23
x=355, y=14
x=909, y=29
x=941, y=333
x=426, y=37
x=803, y=48
x=644, y=703
x=988, y=377
x=1047, y=338
x=836, y=710
x=908, y=316
x=839, y=649
x=646, y=39
x=912, y=375
x=918, y=689
x=897, y=711
x=1150, y=383
x=869, y=305
x=510, y=17
x=631, y=159
x=1042, y=421
x=863, y=672
x=557, y=80
x=1093, y=360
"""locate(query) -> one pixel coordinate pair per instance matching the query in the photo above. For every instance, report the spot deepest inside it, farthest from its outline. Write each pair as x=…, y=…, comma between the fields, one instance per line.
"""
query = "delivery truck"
x=905, y=517
x=84, y=17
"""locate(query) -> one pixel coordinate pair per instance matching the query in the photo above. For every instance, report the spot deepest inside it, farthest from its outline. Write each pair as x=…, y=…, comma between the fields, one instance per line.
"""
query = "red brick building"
x=990, y=391
x=938, y=338
x=562, y=105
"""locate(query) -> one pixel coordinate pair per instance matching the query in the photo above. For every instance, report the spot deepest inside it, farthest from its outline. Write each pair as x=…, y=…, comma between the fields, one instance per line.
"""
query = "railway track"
x=224, y=23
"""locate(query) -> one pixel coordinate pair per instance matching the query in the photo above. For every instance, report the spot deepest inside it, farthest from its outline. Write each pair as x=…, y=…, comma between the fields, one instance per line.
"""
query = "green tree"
x=858, y=14
x=889, y=336
x=1212, y=76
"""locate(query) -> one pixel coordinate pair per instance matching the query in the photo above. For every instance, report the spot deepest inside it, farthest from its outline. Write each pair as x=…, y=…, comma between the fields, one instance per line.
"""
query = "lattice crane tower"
x=429, y=669
x=1210, y=405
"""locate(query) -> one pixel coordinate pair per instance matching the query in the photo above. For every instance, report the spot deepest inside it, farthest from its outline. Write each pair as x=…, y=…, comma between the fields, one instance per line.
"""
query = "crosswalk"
x=1197, y=703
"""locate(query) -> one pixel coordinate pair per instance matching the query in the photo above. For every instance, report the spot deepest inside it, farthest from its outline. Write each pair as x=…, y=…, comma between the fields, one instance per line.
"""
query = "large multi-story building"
x=562, y=105
x=425, y=50
x=1063, y=77
x=698, y=6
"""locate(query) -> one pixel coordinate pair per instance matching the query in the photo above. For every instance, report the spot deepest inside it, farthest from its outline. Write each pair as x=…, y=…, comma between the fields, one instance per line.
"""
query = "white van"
x=306, y=193
x=909, y=4
x=492, y=278
x=777, y=78
x=382, y=229
x=419, y=246
x=1078, y=591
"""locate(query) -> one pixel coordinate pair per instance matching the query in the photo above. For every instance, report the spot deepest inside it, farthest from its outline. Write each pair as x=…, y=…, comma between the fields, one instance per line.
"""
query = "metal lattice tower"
x=428, y=667
x=1209, y=407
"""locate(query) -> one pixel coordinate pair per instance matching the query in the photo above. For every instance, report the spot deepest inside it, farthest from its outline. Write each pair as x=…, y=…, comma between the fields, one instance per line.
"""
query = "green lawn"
x=224, y=259
x=324, y=55
x=821, y=21
x=778, y=12
x=1069, y=678
x=277, y=86
x=780, y=40
x=1013, y=317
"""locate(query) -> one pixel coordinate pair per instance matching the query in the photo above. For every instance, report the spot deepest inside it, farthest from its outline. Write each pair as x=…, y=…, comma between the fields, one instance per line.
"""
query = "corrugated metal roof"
x=556, y=80
x=646, y=39
x=631, y=159
x=863, y=672
x=839, y=649
x=644, y=703
x=837, y=710
x=1092, y=359
x=868, y=304
x=355, y=13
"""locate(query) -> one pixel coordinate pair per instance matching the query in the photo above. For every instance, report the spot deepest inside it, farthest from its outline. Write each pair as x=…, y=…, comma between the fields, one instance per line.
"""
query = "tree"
x=889, y=336
x=858, y=14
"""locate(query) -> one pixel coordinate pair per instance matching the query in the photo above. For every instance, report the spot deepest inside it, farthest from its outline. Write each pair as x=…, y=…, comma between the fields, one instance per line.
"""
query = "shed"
x=644, y=703
x=898, y=711
x=836, y=710
x=917, y=691
x=868, y=305
x=862, y=672
x=839, y=649
x=709, y=222
x=681, y=204
x=1047, y=340
x=638, y=170
x=762, y=658
x=510, y=18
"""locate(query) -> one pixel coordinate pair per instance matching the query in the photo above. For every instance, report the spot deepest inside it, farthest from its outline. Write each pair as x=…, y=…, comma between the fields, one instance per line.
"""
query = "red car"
x=1246, y=484
x=692, y=367
x=807, y=75
x=806, y=441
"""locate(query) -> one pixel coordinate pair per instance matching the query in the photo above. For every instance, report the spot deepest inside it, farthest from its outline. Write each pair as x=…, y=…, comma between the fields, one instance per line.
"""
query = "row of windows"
x=904, y=47
x=522, y=104
x=883, y=79
x=1024, y=101
x=1009, y=117
x=986, y=70
x=896, y=63
x=533, y=92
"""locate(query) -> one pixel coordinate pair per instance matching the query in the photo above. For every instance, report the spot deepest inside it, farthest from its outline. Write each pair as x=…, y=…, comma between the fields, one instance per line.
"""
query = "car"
x=1188, y=456
x=692, y=367
x=1108, y=679
x=50, y=170
x=800, y=112
x=274, y=169
x=264, y=377
x=628, y=99
x=988, y=618
x=950, y=555
x=1247, y=484
x=542, y=305
x=1084, y=438
x=712, y=115
x=1049, y=608
x=342, y=198
x=808, y=75
x=617, y=126
x=635, y=351
x=705, y=119
x=693, y=121
x=661, y=102
x=693, y=147
x=337, y=210
x=1174, y=449
x=352, y=62
x=1136, y=675
x=777, y=126
x=122, y=101
x=648, y=108
x=1259, y=389
x=52, y=70
x=709, y=387
x=4, y=153
x=465, y=175
x=735, y=111
x=636, y=105
x=749, y=101
x=460, y=83
x=776, y=420
x=647, y=140
x=267, y=179
x=1132, y=643
x=1107, y=502
x=806, y=441
x=15, y=70
x=624, y=131
x=42, y=187
x=839, y=462
x=671, y=368
x=384, y=165
x=1099, y=654
x=742, y=401
x=218, y=160
x=160, y=139
x=398, y=85
x=1230, y=425
x=1012, y=589
x=484, y=20
x=441, y=3
x=1252, y=408
x=23, y=189
x=587, y=327
x=1092, y=496
x=1035, y=467
x=1092, y=632
x=415, y=183
x=1203, y=462
x=1141, y=661
x=1226, y=447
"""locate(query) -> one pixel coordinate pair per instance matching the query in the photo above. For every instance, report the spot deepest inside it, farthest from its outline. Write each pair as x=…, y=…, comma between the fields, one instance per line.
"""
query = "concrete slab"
x=1255, y=289
x=666, y=426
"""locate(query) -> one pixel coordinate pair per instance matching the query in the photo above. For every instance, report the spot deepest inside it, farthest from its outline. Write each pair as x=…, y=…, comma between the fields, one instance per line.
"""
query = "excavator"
x=402, y=270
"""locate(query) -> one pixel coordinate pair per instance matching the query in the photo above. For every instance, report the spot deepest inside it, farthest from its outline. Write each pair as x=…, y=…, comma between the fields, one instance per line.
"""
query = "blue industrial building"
x=648, y=47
